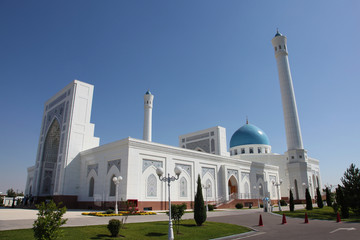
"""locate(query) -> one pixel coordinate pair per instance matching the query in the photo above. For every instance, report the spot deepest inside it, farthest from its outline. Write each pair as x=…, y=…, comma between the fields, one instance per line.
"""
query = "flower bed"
x=121, y=213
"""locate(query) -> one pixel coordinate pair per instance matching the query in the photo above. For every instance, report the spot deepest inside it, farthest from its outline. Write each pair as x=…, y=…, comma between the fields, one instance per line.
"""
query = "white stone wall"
x=211, y=140
x=140, y=159
x=71, y=107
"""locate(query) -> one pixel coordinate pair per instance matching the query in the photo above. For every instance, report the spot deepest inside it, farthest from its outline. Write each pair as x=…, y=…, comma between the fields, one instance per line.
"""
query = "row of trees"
x=347, y=195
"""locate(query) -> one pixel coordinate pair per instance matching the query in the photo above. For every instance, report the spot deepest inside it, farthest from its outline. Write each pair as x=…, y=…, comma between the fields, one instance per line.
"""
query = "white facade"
x=72, y=167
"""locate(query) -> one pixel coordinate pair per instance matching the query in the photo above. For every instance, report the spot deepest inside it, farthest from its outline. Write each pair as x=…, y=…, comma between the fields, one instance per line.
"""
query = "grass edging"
x=325, y=213
x=146, y=230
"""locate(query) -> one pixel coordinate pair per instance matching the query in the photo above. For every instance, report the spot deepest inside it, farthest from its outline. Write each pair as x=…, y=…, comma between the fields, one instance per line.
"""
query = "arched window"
x=261, y=190
x=247, y=190
x=50, y=157
x=91, y=187
x=112, y=187
x=296, y=190
x=183, y=187
x=151, y=186
x=209, y=190
x=317, y=181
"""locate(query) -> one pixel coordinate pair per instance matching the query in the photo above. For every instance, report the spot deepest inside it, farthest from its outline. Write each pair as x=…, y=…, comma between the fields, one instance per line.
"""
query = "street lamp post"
x=277, y=185
x=206, y=187
x=160, y=172
x=116, y=180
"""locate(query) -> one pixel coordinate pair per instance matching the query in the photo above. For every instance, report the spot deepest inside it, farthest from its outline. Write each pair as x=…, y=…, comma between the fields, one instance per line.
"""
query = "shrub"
x=342, y=201
x=239, y=205
x=292, y=205
x=109, y=211
x=309, y=205
x=199, y=207
x=319, y=198
x=211, y=207
x=177, y=211
x=335, y=206
x=47, y=225
x=328, y=197
x=283, y=202
x=114, y=227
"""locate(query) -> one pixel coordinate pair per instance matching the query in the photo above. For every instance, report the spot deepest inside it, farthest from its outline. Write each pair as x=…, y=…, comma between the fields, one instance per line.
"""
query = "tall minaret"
x=292, y=125
x=148, y=105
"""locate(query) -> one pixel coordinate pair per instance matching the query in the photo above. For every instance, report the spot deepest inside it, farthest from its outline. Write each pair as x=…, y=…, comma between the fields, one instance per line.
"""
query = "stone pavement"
x=272, y=229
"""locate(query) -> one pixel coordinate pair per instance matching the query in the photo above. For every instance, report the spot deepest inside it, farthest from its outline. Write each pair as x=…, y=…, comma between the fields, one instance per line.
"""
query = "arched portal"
x=49, y=159
x=233, y=187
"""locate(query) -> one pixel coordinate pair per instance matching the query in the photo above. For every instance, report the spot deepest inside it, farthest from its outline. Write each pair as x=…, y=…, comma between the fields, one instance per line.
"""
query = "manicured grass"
x=149, y=230
x=325, y=213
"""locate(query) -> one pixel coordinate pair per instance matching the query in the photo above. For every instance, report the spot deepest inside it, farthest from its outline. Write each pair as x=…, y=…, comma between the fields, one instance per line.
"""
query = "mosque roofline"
x=133, y=142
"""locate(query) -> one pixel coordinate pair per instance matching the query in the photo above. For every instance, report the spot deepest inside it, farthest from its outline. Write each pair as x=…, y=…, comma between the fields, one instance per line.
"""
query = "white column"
x=148, y=105
x=292, y=125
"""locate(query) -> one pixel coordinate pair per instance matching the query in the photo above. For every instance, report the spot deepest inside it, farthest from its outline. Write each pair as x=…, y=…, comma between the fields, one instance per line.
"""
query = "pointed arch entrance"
x=49, y=159
x=233, y=187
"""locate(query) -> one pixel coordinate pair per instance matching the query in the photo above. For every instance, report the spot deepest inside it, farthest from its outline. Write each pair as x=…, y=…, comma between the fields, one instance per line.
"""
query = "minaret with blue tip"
x=148, y=105
x=292, y=125
x=296, y=155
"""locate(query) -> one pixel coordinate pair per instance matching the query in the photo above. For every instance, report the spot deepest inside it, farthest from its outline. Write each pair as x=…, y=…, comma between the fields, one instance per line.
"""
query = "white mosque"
x=71, y=166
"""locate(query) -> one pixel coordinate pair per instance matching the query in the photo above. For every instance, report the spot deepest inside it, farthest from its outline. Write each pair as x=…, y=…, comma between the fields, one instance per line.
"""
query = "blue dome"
x=249, y=134
x=148, y=92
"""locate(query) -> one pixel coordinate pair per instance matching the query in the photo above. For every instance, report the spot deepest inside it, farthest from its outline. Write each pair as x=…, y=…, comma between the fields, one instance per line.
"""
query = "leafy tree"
x=199, y=207
x=177, y=211
x=47, y=225
x=309, y=205
x=343, y=202
x=11, y=193
x=319, y=198
x=292, y=205
x=328, y=197
x=351, y=188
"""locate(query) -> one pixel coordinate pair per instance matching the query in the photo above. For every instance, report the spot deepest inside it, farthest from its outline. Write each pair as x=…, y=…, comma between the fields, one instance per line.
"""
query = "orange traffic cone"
x=338, y=219
x=283, y=219
x=306, y=218
x=260, y=221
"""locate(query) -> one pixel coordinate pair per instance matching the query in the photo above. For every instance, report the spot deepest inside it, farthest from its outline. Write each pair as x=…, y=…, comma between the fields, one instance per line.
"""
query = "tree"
x=199, y=208
x=319, y=198
x=342, y=201
x=47, y=225
x=328, y=197
x=177, y=211
x=292, y=205
x=11, y=193
x=309, y=205
x=351, y=188
x=114, y=227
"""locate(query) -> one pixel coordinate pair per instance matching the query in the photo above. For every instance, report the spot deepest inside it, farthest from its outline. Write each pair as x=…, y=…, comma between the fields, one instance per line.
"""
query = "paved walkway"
x=272, y=229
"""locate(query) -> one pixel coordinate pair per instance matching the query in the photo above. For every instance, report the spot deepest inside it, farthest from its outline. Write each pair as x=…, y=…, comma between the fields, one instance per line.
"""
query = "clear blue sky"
x=207, y=62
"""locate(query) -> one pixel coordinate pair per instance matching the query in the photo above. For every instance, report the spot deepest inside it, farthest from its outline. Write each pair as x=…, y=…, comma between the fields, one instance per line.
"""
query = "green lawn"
x=149, y=230
x=325, y=213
